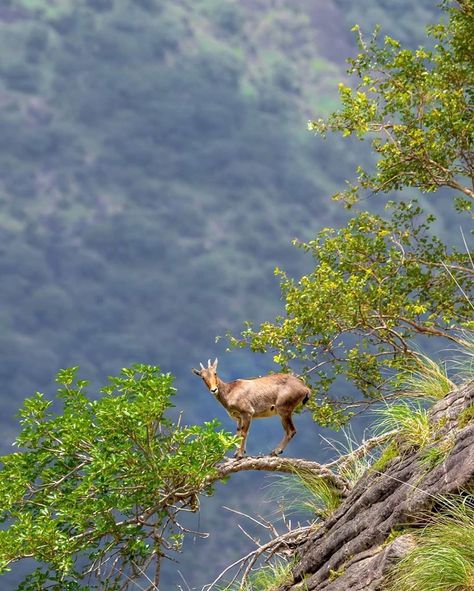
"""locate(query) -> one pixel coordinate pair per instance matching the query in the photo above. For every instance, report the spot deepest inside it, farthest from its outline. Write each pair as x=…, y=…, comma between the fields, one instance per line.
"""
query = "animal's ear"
x=214, y=365
x=196, y=371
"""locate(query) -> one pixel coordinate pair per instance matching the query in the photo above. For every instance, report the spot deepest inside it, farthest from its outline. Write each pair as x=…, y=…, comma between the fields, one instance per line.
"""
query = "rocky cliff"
x=355, y=547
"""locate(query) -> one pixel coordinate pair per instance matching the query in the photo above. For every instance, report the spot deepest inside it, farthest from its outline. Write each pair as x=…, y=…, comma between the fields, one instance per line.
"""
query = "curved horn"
x=215, y=363
x=208, y=363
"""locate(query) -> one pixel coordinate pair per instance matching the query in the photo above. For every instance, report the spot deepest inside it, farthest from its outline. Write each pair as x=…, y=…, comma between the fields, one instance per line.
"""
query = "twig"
x=252, y=557
x=184, y=580
x=246, y=534
x=226, y=570
x=264, y=525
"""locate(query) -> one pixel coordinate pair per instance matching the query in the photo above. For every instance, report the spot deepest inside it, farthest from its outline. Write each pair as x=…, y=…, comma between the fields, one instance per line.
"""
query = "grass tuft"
x=463, y=365
x=390, y=452
x=410, y=420
x=429, y=381
x=437, y=454
x=303, y=492
x=267, y=578
x=355, y=465
x=443, y=558
x=271, y=576
x=466, y=416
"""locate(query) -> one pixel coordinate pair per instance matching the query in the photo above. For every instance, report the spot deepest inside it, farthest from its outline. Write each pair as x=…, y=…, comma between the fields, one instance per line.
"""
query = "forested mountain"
x=155, y=166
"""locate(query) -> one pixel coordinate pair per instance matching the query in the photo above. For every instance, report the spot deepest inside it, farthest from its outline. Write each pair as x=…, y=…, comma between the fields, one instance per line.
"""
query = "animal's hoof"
x=238, y=456
x=276, y=452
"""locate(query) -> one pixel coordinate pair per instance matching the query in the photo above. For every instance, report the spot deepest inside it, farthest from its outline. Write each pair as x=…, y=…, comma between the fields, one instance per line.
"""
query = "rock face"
x=350, y=551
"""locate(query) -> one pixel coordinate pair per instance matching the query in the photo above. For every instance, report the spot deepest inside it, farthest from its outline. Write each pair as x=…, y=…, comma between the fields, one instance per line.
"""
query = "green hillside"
x=150, y=154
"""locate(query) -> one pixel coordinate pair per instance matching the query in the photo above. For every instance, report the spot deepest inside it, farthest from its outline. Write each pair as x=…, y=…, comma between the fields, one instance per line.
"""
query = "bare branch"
x=278, y=464
x=291, y=537
x=361, y=451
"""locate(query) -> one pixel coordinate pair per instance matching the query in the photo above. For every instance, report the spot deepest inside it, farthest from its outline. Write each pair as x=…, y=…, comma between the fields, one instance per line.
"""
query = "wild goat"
x=257, y=398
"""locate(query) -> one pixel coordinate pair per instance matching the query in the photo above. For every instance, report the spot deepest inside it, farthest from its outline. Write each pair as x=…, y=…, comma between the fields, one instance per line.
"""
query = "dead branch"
x=362, y=450
x=290, y=538
x=278, y=464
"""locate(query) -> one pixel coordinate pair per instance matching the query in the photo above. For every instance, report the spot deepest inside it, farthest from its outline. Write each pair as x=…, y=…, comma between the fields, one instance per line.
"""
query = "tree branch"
x=430, y=330
x=455, y=185
x=277, y=464
x=362, y=450
x=290, y=538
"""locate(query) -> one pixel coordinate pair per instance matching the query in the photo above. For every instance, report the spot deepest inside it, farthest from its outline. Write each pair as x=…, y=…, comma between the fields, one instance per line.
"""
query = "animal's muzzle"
x=214, y=390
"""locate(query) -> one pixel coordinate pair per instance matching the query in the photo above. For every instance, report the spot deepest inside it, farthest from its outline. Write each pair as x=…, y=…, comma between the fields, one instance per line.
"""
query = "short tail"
x=306, y=398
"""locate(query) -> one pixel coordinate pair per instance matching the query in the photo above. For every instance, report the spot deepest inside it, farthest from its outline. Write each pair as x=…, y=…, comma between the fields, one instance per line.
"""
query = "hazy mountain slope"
x=146, y=164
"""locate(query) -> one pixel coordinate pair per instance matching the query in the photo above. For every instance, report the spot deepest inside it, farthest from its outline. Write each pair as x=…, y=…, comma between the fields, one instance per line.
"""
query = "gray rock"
x=350, y=552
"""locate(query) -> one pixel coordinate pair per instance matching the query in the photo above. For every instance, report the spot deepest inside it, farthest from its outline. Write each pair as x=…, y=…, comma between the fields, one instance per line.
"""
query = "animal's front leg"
x=239, y=434
x=242, y=430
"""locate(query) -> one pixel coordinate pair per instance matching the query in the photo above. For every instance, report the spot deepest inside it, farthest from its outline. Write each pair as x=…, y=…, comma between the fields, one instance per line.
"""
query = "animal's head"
x=209, y=375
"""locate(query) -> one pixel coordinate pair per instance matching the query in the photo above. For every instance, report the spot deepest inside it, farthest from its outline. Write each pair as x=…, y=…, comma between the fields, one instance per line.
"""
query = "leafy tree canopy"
x=418, y=105
x=379, y=283
x=94, y=494
x=376, y=285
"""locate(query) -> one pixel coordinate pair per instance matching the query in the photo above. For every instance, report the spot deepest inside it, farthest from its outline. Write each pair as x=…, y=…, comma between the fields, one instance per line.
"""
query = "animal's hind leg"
x=290, y=432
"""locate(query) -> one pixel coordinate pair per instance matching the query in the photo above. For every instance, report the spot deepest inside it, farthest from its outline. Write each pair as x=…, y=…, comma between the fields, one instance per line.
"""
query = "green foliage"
x=96, y=491
x=409, y=420
x=380, y=283
x=443, y=557
x=466, y=416
x=152, y=145
x=303, y=491
x=417, y=103
x=390, y=452
x=376, y=284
